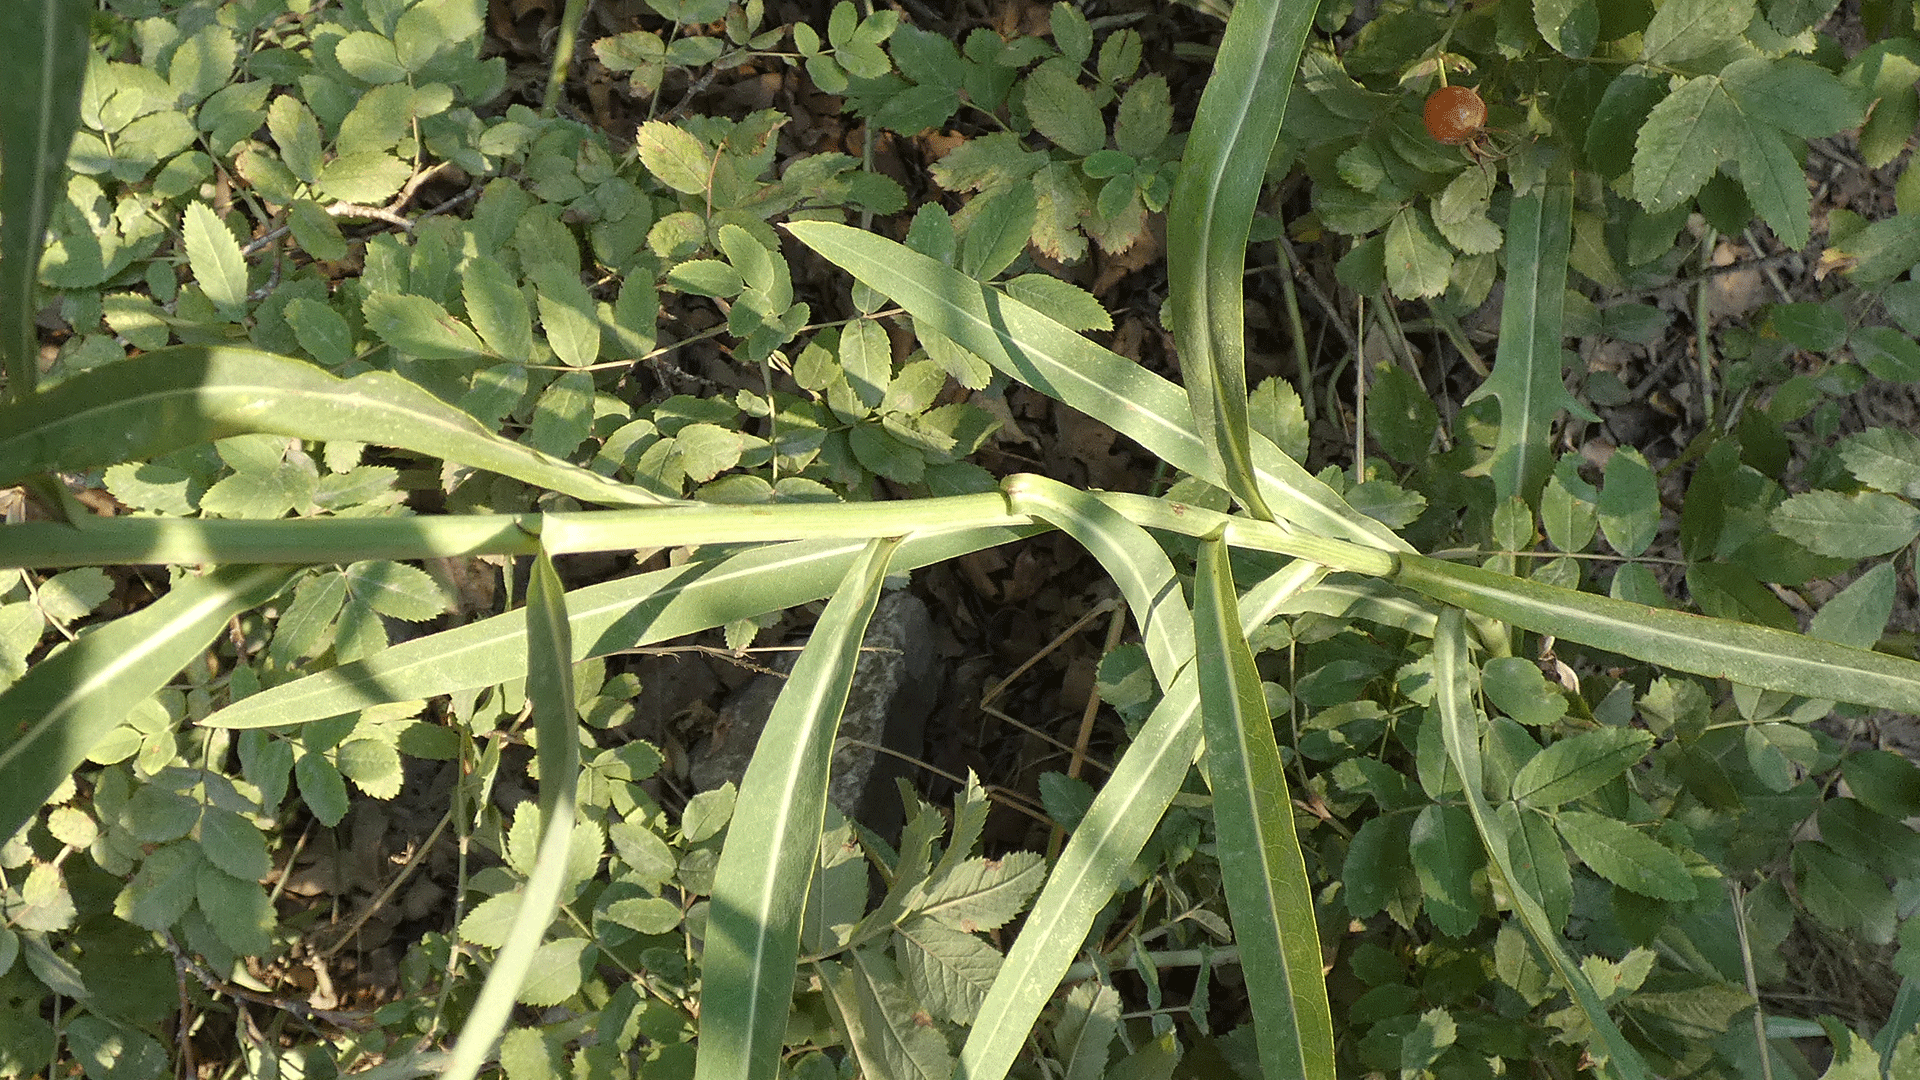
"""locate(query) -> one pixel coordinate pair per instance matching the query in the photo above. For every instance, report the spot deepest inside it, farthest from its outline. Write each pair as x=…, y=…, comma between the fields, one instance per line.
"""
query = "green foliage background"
x=1519, y=803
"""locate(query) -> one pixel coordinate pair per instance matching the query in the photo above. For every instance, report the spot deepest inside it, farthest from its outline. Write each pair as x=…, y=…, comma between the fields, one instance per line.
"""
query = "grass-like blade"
x=549, y=660
x=1526, y=377
x=1094, y=862
x=65, y=704
x=1460, y=723
x=131, y=410
x=1128, y=553
x=1719, y=648
x=1043, y=354
x=126, y=540
x=43, y=50
x=1211, y=212
x=753, y=926
x=621, y=614
x=1268, y=895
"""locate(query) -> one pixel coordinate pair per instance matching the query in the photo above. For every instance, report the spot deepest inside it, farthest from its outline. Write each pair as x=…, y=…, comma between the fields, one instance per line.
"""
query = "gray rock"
x=894, y=689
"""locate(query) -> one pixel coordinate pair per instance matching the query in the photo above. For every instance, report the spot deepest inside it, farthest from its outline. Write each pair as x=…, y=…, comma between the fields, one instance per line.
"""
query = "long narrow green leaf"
x=1210, y=215
x=1129, y=555
x=1460, y=723
x=1054, y=360
x=1268, y=894
x=1719, y=648
x=1097, y=857
x=124, y=540
x=65, y=704
x=753, y=929
x=549, y=660
x=43, y=50
x=1526, y=377
x=621, y=614
x=182, y=396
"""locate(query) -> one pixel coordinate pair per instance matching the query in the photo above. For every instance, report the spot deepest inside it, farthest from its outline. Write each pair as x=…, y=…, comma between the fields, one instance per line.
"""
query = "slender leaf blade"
x=65, y=704
x=1719, y=648
x=189, y=394
x=1111, y=835
x=621, y=614
x=1042, y=353
x=753, y=931
x=1268, y=894
x=1460, y=729
x=1128, y=553
x=1210, y=215
x=1526, y=377
x=549, y=660
x=43, y=50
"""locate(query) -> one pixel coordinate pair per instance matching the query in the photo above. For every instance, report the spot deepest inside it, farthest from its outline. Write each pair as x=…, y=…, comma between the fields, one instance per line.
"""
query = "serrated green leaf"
x=1774, y=181
x=1683, y=141
x=867, y=357
x=233, y=844
x=487, y=924
x=215, y=257
x=1858, y=614
x=498, y=309
x=1796, y=95
x=1570, y=26
x=1067, y=303
x=239, y=910
x=1625, y=856
x=1539, y=865
x=567, y=314
x=417, y=326
x=1684, y=29
x=982, y=894
x=297, y=134
x=1846, y=526
x=883, y=1027
x=706, y=277
x=948, y=970
x=1145, y=117
x=1445, y=854
x=1890, y=847
x=320, y=331
x=369, y=178
x=1842, y=893
x=1573, y=767
x=1884, y=458
x=373, y=765
x=1377, y=866
x=1419, y=263
x=554, y=972
x=530, y=1054
x=675, y=157
x=71, y=594
x=321, y=787
x=998, y=230
x=369, y=57
x=1884, y=782
x=45, y=904
x=1629, y=507
x=163, y=888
